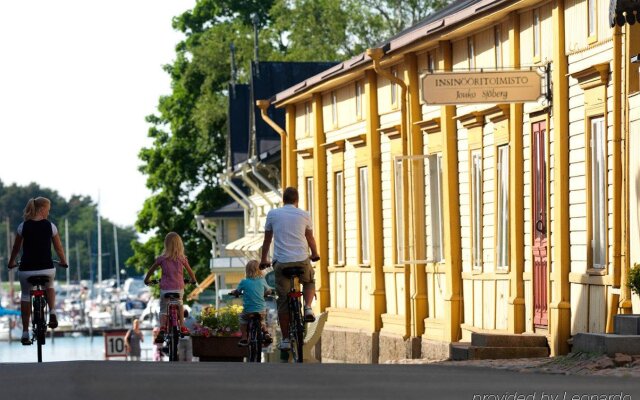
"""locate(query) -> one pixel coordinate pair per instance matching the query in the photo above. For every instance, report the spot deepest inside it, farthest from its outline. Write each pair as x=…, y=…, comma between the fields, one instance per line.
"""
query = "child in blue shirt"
x=253, y=289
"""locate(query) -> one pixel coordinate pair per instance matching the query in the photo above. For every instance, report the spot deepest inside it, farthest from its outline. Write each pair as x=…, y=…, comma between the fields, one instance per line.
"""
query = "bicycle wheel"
x=39, y=324
x=254, y=349
x=173, y=343
x=296, y=331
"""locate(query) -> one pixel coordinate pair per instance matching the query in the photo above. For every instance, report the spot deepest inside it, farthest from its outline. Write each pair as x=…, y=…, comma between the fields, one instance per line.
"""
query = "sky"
x=77, y=78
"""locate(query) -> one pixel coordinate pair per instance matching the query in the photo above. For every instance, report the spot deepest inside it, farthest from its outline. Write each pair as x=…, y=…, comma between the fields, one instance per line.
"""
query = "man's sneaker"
x=285, y=345
x=160, y=337
x=308, y=315
x=53, y=321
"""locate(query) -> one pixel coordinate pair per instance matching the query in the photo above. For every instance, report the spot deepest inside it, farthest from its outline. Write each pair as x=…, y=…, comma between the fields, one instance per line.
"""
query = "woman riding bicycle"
x=35, y=236
x=172, y=262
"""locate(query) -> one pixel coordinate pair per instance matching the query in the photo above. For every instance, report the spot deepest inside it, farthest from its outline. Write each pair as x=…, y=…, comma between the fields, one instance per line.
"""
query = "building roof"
x=434, y=24
x=231, y=210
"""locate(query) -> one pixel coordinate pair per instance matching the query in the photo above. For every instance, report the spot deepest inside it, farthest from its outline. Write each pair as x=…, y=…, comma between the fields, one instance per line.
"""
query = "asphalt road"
x=89, y=380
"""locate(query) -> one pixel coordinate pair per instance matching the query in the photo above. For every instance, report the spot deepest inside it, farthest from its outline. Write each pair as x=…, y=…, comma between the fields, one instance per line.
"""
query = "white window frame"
x=592, y=28
x=436, y=215
x=431, y=62
x=598, y=195
x=394, y=88
x=309, y=191
x=536, y=34
x=339, y=216
x=476, y=208
x=359, y=100
x=497, y=33
x=399, y=205
x=307, y=119
x=502, y=206
x=363, y=183
x=334, y=108
x=471, y=53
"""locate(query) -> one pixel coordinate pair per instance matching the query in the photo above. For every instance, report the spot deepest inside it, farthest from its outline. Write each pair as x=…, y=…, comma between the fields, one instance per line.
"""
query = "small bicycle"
x=296, y=320
x=39, y=306
x=172, y=331
x=256, y=337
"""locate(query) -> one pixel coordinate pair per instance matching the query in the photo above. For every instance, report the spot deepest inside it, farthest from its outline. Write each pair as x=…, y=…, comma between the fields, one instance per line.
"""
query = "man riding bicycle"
x=291, y=230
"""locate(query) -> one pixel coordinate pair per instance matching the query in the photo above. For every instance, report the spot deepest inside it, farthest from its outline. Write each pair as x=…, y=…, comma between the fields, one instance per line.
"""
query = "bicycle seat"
x=172, y=295
x=293, y=271
x=38, y=280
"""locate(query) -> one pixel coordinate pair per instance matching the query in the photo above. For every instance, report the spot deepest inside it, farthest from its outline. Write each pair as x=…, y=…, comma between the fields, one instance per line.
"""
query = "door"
x=539, y=158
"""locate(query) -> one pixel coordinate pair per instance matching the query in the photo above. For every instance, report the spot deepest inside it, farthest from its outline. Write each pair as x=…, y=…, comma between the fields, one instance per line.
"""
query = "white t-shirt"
x=288, y=224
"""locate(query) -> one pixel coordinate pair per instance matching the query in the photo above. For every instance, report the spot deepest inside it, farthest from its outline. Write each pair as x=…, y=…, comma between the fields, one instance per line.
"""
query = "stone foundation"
x=435, y=350
x=395, y=347
x=346, y=345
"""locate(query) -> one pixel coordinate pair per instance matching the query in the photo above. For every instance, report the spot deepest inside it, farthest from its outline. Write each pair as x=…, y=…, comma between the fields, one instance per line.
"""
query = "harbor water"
x=66, y=348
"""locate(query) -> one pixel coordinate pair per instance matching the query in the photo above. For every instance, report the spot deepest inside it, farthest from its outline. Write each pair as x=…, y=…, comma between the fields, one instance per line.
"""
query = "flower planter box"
x=218, y=348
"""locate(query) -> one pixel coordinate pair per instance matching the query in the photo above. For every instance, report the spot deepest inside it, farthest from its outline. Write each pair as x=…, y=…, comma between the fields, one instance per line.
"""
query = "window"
x=591, y=18
x=502, y=229
x=497, y=33
x=536, y=34
x=598, y=195
x=399, y=206
x=431, y=62
x=358, y=100
x=364, y=215
x=476, y=208
x=394, y=88
x=310, y=197
x=339, y=217
x=334, y=108
x=471, y=53
x=435, y=194
x=307, y=118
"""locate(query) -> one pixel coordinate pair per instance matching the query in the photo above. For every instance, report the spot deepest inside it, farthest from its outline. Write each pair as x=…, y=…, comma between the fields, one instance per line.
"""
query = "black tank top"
x=36, y=245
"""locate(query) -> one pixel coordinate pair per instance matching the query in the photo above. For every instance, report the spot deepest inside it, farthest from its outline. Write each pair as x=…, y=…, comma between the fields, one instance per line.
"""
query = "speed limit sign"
x=114, y=343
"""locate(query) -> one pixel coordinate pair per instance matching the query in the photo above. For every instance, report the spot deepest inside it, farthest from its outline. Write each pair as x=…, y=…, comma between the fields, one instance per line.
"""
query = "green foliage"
x=634, y=279
x=81, y=213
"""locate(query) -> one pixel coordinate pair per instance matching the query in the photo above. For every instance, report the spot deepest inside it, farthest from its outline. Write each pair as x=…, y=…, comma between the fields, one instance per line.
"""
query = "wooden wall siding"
x=365, y=291
x=485, y=48
x=460, y=54
x=300, y=131
x=478, y=296
x=465, y=198
x=331, y=226
x=350, y=206
x=384, y=92
x=634, y=188
x=576, y=18
x=467, y=291
x=346, y=107
x=391, y=293
x=387, y=211
x=547, y=33
x=546, y=36
x=597, y=308
x=488, y=199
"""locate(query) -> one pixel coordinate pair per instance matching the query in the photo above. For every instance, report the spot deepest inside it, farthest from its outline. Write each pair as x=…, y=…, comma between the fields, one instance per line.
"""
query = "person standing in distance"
x=291, y=230
x=35, y=236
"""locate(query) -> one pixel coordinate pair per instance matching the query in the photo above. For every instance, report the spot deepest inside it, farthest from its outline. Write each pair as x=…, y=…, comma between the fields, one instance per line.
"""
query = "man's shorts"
x=244, y=317
x=283, y=284
x=164, y=301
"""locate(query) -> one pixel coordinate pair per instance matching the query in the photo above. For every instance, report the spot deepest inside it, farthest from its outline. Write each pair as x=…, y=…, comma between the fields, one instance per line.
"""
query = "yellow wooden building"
x=436, y=219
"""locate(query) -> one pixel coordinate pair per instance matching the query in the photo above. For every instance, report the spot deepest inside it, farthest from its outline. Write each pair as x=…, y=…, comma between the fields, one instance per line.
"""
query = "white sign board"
x=481, y=87
x=114, y=343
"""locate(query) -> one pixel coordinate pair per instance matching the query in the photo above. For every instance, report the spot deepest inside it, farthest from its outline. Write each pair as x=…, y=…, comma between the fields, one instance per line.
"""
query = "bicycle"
x=39, y=307
x=296, y=320
x=172, y=331
x=255, y=335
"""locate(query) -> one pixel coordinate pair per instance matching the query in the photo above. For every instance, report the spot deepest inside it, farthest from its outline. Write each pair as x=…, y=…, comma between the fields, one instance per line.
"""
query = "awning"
x=206, y=282
x=622, y=12
x=237, y=247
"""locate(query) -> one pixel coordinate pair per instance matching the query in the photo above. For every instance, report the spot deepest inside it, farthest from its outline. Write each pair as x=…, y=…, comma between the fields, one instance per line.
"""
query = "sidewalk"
x=623, y=365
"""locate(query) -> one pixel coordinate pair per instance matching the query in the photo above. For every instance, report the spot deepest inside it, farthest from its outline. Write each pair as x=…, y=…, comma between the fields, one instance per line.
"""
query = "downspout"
x=614, y=297
x=376, y=55
x=263, y=105
x=254, y=169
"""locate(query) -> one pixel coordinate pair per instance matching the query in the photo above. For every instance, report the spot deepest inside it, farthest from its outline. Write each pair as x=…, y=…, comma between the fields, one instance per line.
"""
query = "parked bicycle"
x=39, y=308
x=296, y=316
x=172, y=329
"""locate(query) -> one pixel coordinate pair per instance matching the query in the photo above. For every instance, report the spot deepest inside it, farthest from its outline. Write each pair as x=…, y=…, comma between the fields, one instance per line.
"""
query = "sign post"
x=481, y=87
x=114, y=343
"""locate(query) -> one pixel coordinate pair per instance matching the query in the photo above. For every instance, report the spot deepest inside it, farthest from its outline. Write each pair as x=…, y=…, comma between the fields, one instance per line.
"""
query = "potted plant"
x=634, y=285
x=217, y=334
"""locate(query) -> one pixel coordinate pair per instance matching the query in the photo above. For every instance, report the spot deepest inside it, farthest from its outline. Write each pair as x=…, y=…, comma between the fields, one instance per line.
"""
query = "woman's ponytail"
x=33, y=206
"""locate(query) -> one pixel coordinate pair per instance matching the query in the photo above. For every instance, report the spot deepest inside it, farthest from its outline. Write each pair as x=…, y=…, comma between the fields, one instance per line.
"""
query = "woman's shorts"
x=164, y=301
x=26, y=287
